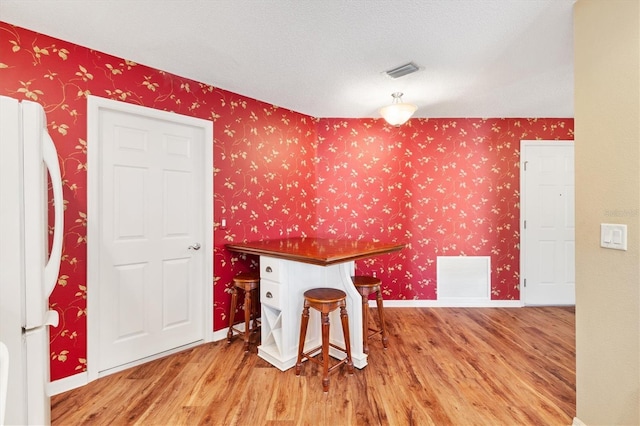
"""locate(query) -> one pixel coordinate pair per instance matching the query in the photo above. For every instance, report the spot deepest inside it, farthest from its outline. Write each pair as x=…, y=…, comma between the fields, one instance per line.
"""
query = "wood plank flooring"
x=444, y=366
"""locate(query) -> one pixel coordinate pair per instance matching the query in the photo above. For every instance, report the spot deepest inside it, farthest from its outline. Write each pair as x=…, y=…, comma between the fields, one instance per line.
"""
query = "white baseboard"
x=462, y=303
x=220, y=334
x=578, y=422
x=78, y=380
x=81, y=379
x=457, y=303
x=148, y=359
x=68, y=383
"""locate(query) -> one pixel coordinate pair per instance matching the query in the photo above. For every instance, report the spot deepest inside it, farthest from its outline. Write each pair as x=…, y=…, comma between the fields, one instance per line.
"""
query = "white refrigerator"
x=28, y=269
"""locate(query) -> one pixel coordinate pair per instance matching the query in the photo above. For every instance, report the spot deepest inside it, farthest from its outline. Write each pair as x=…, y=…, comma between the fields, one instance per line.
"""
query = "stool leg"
x=256, y=308
x=303, y=336
x=324, y=318
x=385, y=339
x=347, y=339
x=232, y=313
x=247, y=319
x=365, y=322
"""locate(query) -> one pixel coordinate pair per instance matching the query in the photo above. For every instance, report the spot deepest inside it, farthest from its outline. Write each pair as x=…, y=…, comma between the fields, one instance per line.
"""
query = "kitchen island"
x=291, y=266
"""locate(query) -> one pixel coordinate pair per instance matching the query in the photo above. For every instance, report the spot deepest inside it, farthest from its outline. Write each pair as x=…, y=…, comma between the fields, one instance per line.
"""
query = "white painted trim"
x=149, y=359
x=93, y=232
x=208, y=231
x=94, y=104
x=461, y=303
x=68, y=383
x=578, y=422
x=78, y=380
x=472, y=303
x=220, y=334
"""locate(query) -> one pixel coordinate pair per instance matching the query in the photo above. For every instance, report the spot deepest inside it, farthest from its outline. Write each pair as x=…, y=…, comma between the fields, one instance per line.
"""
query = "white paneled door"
x=547, y=223
x=152, y=231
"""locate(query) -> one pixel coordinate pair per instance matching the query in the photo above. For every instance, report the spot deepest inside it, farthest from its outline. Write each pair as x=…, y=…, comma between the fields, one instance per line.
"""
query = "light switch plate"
x=613, y=236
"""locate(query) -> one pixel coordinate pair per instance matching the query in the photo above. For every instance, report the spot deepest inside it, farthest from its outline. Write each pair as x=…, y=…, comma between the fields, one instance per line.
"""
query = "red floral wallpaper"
x=447, y=187
x=264, y=161
x=443, y=186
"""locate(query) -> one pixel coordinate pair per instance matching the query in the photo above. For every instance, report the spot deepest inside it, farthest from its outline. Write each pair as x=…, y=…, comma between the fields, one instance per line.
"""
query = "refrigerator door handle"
x=52, y=267
x=52, y=318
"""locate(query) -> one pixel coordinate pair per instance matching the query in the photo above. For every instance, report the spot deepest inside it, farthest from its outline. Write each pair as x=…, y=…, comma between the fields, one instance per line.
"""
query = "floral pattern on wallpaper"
x=264, y=162
x=446, y=187
x=442, y=186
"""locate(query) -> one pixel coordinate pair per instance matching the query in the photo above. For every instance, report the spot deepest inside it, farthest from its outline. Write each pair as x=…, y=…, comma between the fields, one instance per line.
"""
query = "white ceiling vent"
x=402, y=70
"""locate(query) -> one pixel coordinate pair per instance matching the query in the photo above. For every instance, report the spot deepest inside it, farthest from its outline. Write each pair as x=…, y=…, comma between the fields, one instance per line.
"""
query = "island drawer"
x=270, y=293
x=270, y=268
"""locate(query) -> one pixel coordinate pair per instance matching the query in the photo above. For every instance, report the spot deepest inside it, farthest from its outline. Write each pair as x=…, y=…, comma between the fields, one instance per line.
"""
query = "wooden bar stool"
x=324, y=300
x=249, y=282
x=367, y=285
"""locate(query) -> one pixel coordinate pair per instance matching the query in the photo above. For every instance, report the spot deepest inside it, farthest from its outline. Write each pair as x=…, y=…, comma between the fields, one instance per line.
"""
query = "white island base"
x=282, y=285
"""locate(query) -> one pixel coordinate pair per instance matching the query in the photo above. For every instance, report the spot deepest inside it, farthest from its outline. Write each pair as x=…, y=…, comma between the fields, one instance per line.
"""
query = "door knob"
x=196, y=246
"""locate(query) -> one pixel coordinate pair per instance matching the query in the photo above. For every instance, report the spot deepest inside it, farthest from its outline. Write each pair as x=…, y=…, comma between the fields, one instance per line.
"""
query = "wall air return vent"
x=402, y=70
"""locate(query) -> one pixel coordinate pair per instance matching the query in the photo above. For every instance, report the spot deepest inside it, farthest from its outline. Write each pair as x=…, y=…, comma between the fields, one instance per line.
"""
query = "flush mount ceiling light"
x=398, y=112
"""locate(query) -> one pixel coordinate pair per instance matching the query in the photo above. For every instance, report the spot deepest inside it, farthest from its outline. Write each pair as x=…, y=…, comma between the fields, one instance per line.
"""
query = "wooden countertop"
x=317, y=251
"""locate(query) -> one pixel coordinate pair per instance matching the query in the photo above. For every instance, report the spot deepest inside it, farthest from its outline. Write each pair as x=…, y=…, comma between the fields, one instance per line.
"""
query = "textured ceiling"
x=478, y=58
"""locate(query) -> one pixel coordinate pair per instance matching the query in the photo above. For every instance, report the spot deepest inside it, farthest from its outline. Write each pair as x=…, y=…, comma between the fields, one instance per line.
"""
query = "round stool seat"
x=247, y=280
x=366, y=281
x=324, y=295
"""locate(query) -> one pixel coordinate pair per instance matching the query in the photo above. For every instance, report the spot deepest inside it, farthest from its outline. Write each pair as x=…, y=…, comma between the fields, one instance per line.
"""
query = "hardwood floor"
x=444, y=366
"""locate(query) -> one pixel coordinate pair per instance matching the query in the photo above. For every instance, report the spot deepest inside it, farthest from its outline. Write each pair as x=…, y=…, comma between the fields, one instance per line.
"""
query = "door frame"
x=523, y=197
x=94, y=220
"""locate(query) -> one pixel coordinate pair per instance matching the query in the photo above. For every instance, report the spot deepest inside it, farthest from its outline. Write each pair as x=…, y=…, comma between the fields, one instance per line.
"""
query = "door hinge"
x=525, y=165
x=525, y=224
x=525, y=282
